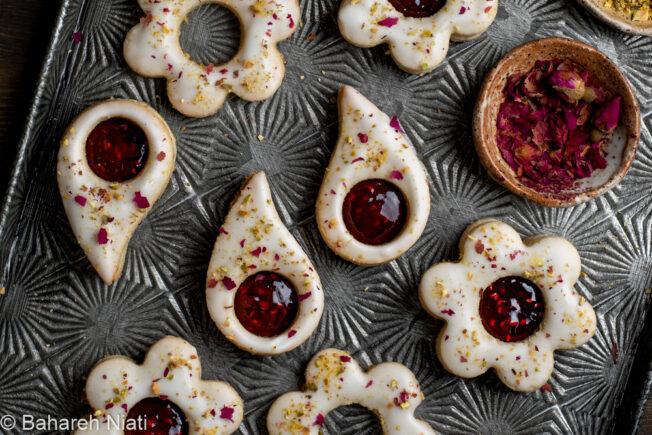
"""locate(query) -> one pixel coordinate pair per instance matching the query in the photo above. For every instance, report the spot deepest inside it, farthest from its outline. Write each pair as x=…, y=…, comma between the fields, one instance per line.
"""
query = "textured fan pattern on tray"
x=57, y=318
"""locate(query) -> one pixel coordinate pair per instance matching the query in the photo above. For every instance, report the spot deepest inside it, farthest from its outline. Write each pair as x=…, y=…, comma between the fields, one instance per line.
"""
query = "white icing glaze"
x=417, y=45
x=451, y=292
x=171, y=371
x=387, y=155
x=152, y=49
x=103, y=199
x=253, y=239
x=334, y=379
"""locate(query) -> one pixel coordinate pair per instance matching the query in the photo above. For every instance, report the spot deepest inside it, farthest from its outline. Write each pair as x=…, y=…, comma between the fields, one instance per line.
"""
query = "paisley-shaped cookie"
x=165, y=394
x=508, y=304
x=114, y=162
x=262, y=290
x=334, y=379
x=374, y=200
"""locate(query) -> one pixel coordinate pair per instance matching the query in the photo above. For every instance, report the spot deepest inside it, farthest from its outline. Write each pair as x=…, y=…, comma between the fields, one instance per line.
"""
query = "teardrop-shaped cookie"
x=262, y=291
x=114, y=162
x=374, y=201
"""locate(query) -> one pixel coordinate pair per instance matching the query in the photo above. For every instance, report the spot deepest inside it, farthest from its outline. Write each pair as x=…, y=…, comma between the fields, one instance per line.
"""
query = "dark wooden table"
x=25, y=28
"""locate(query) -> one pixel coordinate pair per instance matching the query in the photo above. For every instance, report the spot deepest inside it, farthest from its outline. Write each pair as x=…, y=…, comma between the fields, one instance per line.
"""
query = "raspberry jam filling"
x=418, y=8
x=511, y=308
x=374, y=211
x=266, y=304
x=154, y=416
x=117, y=149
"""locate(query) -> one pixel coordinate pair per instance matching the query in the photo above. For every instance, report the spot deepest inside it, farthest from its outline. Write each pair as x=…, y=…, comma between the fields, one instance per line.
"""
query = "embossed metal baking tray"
x=57, y=318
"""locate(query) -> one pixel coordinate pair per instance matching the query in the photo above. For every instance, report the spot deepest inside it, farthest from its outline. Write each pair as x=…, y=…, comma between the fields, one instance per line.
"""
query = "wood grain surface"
x=25, y=30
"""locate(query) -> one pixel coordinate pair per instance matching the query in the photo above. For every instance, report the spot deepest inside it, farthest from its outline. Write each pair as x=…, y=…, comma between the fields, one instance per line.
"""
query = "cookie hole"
x=375, y=211
x=266, y=304
x=352, y=419
x=117, y=149
x=155, y=415
x=210, y=34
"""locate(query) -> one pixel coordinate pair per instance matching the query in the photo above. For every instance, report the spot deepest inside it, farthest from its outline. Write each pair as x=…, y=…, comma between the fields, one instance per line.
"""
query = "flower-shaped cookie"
x=417, y=31
x=374, y=201
x=262, y=291
x=166, y=393
x=508, y=304
x=114, y=162
x=152, y=49
x=333, y=379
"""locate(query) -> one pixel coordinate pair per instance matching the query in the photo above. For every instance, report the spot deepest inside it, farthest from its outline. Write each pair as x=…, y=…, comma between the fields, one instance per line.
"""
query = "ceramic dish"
x=616, y=19
x=621, y=148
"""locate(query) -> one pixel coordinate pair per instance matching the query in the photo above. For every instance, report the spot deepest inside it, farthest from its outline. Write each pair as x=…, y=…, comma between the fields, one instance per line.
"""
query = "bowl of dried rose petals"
x=556, y=122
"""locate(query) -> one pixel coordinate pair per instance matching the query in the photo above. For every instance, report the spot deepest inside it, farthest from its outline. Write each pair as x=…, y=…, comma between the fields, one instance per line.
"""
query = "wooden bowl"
x=621, y=149
x=617, y=20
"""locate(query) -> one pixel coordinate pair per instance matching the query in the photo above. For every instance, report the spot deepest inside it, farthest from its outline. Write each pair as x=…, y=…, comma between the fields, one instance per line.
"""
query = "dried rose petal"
x=396, y=175
x=228, y=283
x=395, y=124
x=304, y=296
x=102, y=237
x=388, y=22
x=80, y=200
x=77, y=37
x=568, y=84
x=227, y=413
x=607, y=115
x=319, y=420
x=141, y=201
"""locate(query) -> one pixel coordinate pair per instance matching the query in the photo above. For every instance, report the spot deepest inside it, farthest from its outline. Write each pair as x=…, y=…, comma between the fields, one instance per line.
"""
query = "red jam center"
x=154, y=416
x=374, y=211
x=418, y=8
x=266, y=304
x=117, y=149
x=511, y=308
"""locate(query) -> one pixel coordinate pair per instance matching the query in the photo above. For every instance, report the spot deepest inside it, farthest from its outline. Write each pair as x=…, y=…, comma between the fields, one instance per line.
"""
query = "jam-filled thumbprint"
x=418, y=8
x=117, y=149
x=374, y=211
x=154, y=416
x=512, y=308
x=266, y=304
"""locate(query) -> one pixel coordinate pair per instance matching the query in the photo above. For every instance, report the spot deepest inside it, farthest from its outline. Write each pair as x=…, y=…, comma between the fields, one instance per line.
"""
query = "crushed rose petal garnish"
x=554, y=124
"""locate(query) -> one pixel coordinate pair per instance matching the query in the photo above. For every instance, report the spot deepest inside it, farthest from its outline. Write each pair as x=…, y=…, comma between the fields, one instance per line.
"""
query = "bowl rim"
x=502, y=173
x=616, y=19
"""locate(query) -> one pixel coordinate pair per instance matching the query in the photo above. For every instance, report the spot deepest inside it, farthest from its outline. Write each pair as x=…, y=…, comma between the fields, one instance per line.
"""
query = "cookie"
x=152, y=49
x=262, y=291
x=508, y=304
x=417, y=32
x=114, y=162
x=374, y=201
x=334, y=379
x=164, y=394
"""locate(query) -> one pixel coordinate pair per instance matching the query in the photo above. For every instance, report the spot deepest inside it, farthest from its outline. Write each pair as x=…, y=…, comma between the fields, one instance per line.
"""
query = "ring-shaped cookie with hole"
x=374, y=201
x=114, y=162
x=165, y=393
x=334, y=379
x=508, y=304
x=417, y=32
x=152, y=49
x=262, y=290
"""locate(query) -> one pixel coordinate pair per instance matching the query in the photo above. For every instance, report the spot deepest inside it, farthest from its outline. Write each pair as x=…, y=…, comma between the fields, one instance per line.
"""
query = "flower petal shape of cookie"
x=169, y=382
x=417, y=43
x=256, y=71
x=374, y=201
x=262, y=291
x=334, y=379
x=114, y=162
x=508, y=304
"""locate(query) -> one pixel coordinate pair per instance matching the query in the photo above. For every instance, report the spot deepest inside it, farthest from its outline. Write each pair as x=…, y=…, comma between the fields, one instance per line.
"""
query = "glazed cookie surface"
x=374, y=201
x=334, y=379
x=508, y=304
x=262, y=291
x=152, y=49
x=168, y=382
x=103, y=207
x=418, y=33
